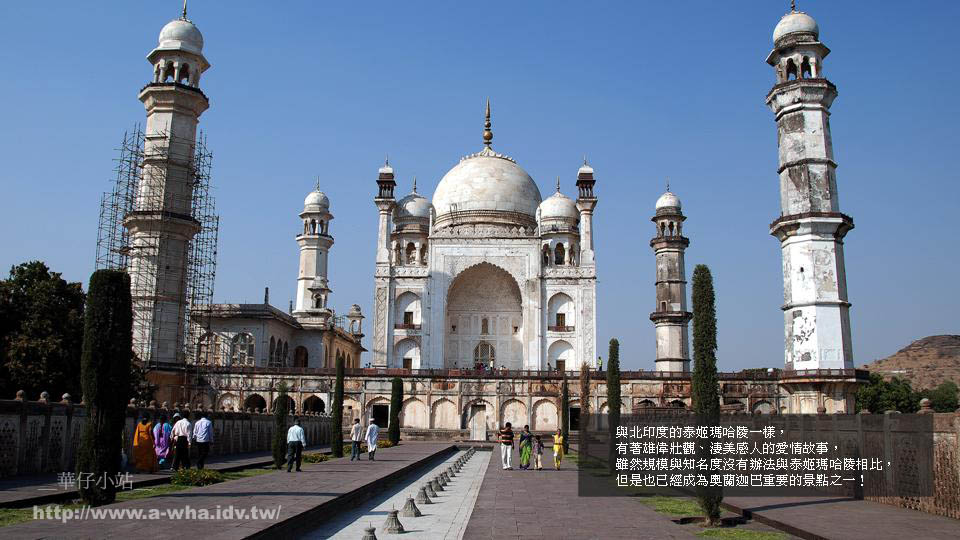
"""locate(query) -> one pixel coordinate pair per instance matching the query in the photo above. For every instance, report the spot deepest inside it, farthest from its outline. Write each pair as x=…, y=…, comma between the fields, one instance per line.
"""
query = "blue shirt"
x=203, y=431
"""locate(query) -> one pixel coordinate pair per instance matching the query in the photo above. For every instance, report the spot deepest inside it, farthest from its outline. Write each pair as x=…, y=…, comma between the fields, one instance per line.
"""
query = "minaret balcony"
x=677, y=317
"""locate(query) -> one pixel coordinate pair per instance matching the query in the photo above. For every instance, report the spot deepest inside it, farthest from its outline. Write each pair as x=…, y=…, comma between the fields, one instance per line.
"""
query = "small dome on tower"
x=585, y=168
x=181, y=34
x=559, y=206
x=793, y=22
x=668, y=200
x=316, y=200
x=413, y=205
x=386, y=169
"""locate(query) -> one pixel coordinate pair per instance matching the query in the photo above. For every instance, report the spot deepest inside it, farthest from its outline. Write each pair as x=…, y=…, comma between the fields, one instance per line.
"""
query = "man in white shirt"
x=202, y=437
x=296, y=441
x=181, y=441
x=356, y=437
x=373, y=431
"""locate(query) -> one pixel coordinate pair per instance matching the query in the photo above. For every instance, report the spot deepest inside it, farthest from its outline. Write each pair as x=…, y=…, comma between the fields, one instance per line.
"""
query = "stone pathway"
x=20, y=491
x=301, y=500
x=544, y=504
x=445, y=518
x=843, y=518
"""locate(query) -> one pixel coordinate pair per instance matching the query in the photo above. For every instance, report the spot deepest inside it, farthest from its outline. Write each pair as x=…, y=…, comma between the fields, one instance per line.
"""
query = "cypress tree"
x=565, y=413
x=705, y=383
x=584, y=434
x=105, y=372
x=396, y=401
x=614, y=401
x=280, y=412
x=336, y=442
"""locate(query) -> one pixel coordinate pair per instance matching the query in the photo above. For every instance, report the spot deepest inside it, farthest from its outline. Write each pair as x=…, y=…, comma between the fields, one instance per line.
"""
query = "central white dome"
x=487, y=187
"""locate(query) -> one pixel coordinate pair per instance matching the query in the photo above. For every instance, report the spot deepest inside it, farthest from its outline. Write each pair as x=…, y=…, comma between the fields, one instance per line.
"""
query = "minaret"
x=161, y=224
x=315, y=242
x=385, y=203
x=671, y=315
x=810, y=227
x=586, y=202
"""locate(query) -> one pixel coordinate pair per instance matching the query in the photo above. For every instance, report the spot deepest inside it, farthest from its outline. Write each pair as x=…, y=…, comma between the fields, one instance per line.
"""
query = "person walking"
x=538, y=453
x=356, y=437
x=202, y=437
x=161, y=441
x=557, y=449
x=180, y=435
x=506, y=447
x=526, y=447
x=144, y=458
x=373, y=432
x=296, y=441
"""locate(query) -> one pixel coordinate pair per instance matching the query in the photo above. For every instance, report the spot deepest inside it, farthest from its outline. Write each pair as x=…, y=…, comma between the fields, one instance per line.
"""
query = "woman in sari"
x=557, y=449
x=526, y=447
x=161, y=441
x=144, y=458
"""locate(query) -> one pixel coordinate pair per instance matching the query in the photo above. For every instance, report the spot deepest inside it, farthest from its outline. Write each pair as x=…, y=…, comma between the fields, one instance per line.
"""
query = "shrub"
x=315, y=457
x=105, y=368
x=196, y=477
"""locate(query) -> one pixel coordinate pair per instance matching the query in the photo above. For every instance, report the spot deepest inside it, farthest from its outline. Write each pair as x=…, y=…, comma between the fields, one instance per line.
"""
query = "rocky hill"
x=925, y=363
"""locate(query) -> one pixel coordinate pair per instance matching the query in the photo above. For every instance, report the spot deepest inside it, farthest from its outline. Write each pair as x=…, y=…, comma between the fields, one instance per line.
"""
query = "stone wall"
x=42, y=437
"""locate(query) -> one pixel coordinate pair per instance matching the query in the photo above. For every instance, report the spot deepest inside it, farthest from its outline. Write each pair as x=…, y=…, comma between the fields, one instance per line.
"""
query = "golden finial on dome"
x=487, y=134
x=183, y=15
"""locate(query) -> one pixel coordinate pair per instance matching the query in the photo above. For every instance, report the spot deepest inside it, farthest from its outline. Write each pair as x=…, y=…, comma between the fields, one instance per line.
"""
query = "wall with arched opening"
x=515, y=412
x=544, y=416
x=407, y=310
x=255, y=401
x=443, y=415
x=484, y=291
x=314, y=404
x=561, y=312
x=562, y=351
x=413, y=414
x=406, y=354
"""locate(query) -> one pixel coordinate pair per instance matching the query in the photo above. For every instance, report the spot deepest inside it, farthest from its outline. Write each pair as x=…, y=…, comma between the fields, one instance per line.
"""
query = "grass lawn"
x=12, y=516
x=741, y=534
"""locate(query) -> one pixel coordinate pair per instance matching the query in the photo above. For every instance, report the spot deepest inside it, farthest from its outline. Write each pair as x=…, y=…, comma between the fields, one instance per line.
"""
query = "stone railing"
x=43, y=436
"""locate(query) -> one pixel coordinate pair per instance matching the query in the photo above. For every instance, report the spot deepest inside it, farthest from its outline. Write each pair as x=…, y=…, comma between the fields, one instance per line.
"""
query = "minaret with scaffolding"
x=159, y=221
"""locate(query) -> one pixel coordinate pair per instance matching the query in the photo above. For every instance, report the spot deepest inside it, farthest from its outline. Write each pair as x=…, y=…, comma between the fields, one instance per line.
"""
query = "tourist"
x=202, y=437
x=356, y=437
x=526, y=447
x=180, y=435
x=373, y=432
x=144, y=458
x=161, y=441
x=506, y=447
x=557, y=449
x=296, y=441
x=538, y=453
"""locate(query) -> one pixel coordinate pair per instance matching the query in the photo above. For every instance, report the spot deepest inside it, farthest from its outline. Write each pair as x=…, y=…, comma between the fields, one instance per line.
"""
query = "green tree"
x=584, y=434
x=565, y=413
x=41, y=332
x=943, y=398
x=879, y=395
x=280, y=411
x=705, y=383
x=336, y=442
x=104, y=367
x=396, y=401
x=614, y=400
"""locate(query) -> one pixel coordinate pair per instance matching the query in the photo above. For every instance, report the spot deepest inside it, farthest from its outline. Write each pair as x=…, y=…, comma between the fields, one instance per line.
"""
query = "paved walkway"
x=843, y=518
x=310, y=494
x=20, y=491
x=544, y=504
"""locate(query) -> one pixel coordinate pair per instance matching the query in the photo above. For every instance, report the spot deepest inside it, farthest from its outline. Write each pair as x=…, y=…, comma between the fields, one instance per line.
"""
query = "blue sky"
x=647, y=90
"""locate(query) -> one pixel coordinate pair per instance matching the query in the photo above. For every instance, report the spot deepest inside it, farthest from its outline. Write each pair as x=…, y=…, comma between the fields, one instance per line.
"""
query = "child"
x=538, y=453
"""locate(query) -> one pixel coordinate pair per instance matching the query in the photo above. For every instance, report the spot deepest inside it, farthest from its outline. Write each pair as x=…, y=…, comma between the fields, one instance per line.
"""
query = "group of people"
x=531, y=446
x=358, y=435
x=168, y=444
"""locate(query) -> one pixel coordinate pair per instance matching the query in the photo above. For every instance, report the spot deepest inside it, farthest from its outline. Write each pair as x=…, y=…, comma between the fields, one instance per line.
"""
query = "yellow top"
x=557, y=440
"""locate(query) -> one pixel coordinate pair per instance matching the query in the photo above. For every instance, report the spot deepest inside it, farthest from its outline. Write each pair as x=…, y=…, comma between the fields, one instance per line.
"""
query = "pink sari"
x=161, y=442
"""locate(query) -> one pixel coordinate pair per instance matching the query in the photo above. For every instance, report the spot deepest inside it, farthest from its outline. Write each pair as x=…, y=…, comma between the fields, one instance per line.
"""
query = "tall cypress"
x=705, y=383
x=614, y=401
x=336, y=440
x=280, y=412
x=565, y=413
x=105, y=372
x=396, y=402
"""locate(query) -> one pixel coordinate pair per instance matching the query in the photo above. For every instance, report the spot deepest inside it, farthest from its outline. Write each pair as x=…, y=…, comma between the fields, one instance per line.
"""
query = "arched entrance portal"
x=484, y=306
